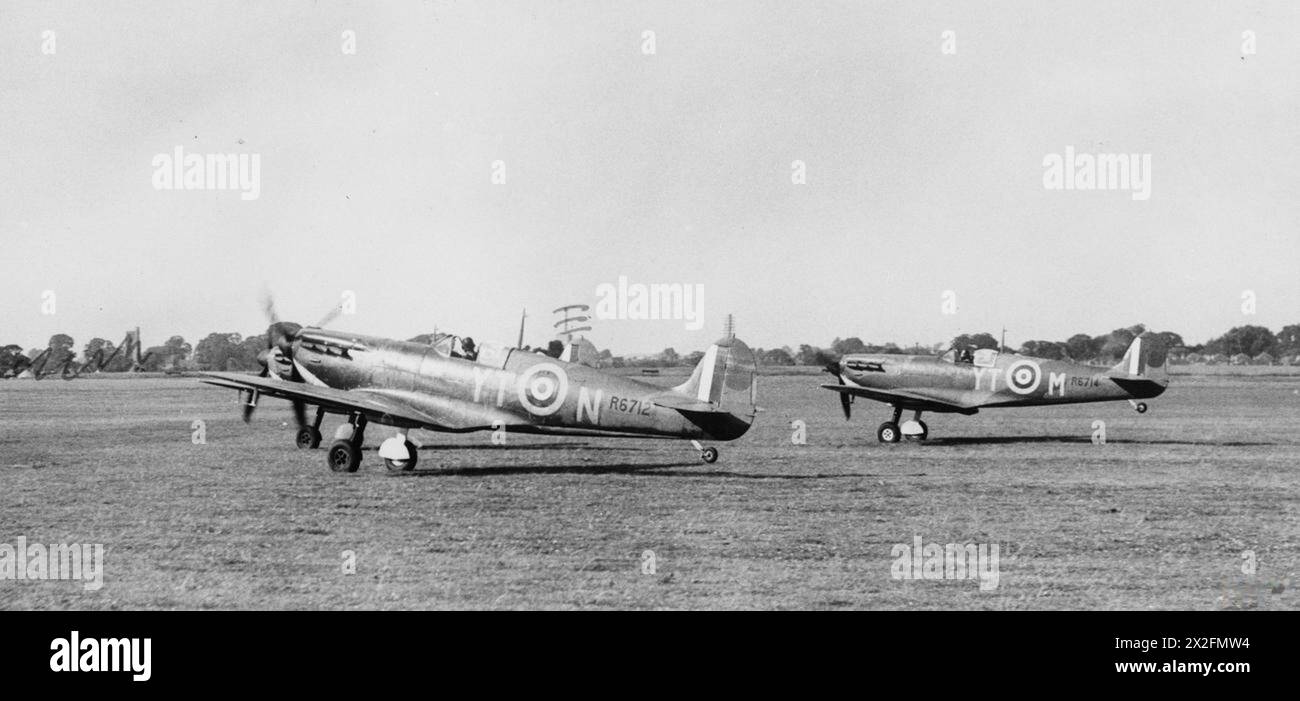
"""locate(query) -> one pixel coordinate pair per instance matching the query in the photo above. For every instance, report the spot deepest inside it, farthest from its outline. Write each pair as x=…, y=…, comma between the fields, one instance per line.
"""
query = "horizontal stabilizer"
x=681, y=402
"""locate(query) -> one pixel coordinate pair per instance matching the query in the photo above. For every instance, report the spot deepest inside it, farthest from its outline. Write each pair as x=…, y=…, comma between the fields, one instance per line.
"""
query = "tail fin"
x=1144, y=360
x=725, y=377
x=720, y=396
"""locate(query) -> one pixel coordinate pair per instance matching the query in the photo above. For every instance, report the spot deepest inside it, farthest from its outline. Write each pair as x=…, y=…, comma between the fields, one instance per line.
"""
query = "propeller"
x=280, y=336
x=845, y=399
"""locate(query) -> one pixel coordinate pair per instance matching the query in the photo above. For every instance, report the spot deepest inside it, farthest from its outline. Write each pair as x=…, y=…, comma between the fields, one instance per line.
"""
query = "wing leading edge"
x=382, y=406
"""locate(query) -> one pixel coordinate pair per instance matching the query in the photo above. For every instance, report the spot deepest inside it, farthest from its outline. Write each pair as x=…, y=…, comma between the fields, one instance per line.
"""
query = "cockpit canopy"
x=452, y=346
x=979, y=357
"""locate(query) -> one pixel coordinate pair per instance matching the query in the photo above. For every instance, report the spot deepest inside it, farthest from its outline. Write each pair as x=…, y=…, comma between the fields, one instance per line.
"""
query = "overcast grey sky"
x=924, y=169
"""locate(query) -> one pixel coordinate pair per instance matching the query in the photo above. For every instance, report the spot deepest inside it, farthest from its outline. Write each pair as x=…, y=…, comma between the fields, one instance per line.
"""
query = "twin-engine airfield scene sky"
x=899, y=172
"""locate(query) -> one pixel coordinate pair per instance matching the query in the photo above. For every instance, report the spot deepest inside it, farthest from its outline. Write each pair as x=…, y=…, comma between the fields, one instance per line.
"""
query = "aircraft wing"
x=382, y=406
x=907, y=398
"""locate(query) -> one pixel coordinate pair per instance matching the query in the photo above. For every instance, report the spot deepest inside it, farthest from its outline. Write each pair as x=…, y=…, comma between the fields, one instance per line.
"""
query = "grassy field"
x=1157, y=517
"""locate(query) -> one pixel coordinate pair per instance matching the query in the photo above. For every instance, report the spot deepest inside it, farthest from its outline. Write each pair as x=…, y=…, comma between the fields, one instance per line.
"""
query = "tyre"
x=888, y=432
x=1142, y=407
x=344, y=456
x=403, y=465
x=308, y=438
x=709, y=455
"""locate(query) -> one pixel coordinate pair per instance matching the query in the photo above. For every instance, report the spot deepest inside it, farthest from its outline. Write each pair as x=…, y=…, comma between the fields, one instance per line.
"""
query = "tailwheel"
x=308, y=438
x=888, y=432
x=403, y=465
x=1141, y=407
x=344, y=456
x=709, y=455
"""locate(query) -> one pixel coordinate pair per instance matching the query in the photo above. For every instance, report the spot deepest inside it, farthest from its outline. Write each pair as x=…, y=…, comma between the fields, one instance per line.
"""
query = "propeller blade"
x=268, y=308
x=331, y=316
x=845, y=399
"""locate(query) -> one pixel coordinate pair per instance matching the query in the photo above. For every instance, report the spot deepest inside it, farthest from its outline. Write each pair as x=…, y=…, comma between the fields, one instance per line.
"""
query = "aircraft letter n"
x=588, y=405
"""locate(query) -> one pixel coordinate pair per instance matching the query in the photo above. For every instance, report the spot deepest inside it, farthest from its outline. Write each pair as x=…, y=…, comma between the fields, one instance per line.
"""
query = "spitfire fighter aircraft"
x=458, y=387
x=963, y=382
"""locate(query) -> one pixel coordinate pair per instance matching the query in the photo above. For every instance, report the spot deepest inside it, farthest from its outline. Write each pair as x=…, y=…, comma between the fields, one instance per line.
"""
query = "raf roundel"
x=1024, y=376
x=542, y=389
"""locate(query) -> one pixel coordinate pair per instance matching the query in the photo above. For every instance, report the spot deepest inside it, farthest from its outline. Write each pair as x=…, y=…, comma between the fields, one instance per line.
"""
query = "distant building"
x=1240, y=359
x=1195, y=358
x=1264, y=359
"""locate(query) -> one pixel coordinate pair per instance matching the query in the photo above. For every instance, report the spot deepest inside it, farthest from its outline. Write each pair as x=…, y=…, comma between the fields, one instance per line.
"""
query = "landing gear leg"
x=708, y=455
x=888, y=432
x=309, y=436
x=344, y=454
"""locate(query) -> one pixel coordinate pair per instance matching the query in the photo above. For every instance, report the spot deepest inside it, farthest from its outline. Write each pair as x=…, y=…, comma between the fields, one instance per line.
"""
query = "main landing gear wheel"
x=1141, y=407
x=709, y=455
x=344, y=456
x=308, y=438
x=924, y=434
x=403, y=465
x=888, y=432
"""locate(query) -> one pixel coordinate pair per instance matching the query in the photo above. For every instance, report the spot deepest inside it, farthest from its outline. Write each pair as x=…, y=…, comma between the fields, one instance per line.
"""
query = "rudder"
x=725, y=378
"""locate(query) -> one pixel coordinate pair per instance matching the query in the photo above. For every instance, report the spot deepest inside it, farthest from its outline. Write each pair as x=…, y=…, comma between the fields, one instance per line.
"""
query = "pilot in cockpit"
x=467, y=348
x=965, y=356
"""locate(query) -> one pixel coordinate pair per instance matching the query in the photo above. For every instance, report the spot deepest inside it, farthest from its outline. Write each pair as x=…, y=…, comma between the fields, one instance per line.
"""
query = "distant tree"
x=424, y=338
x=1051, y=350
x=1171, y=339
x=157, y=358
x=96, y=345
x=60, y=349
x=246, y=355
x=693, y=358
x=9, y=359
x=669, y=357
x=979, y=340
x=99, y=356
x=848, y=346
x=1251, y=340
x=177, y=348
x=1288, y=340
x=776, y=356
x=216, y=350
x=1080, y=347
x=810, y=355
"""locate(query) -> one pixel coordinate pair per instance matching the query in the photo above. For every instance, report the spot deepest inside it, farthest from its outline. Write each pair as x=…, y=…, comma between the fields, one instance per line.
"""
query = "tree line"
x=232, y=351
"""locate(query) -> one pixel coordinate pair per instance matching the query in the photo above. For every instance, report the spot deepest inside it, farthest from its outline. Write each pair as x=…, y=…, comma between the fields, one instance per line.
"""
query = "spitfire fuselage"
x=996, y=379
x=503, y=387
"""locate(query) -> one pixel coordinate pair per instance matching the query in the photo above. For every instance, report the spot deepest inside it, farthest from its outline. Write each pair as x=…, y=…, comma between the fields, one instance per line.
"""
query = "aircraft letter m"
x=1056, y=383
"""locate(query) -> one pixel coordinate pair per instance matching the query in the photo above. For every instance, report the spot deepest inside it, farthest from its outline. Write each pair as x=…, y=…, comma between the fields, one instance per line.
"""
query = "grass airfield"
x=1164, y=515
